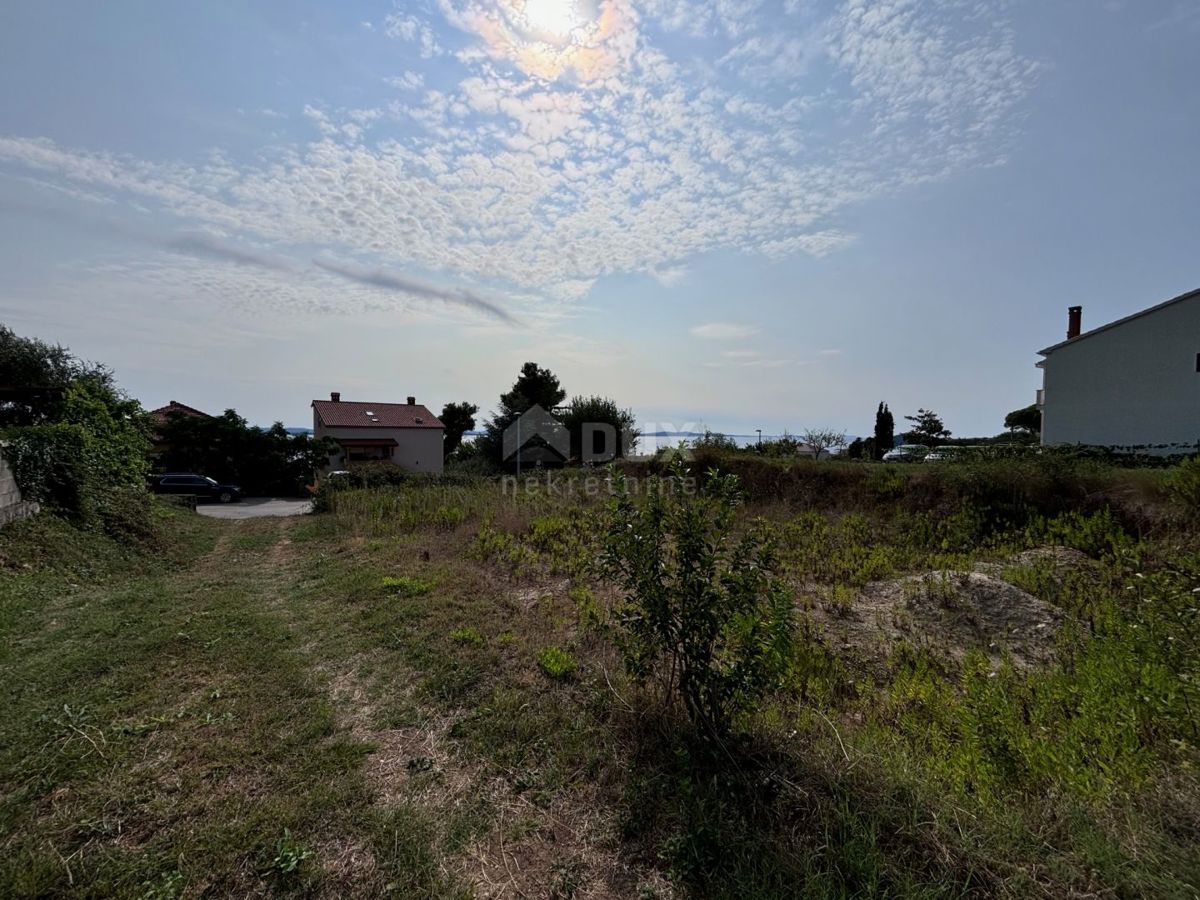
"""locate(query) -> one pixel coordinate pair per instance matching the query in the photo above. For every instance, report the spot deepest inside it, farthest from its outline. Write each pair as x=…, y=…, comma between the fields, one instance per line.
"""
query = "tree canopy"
x=1027, y=420
x=536, y=386
x=823, y=439
x=927, y=428
x=458, y=418
x=73, y=438
x=583, y=411
x=266, y=461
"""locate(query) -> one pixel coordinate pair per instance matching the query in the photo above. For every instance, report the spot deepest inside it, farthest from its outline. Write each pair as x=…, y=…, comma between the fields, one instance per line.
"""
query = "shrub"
x=705, y=612
x=1183, y=483
x=557, y=663
x=51, y=464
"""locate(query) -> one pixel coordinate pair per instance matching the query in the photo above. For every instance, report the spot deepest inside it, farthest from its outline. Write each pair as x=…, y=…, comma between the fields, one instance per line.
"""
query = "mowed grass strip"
x=165, y=727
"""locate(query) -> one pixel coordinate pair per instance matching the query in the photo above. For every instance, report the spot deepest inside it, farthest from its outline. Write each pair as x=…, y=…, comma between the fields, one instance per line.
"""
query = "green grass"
x=380, y=700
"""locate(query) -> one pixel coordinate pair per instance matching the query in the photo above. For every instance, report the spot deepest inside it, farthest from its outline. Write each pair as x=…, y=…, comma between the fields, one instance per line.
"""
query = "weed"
x=406, y=585
x=838, y=600
x=470, y=636
x=419, y=764
x=567, y=880
x=1183, y=484
x=557, y=663
x=289, y=854
x=168, y=886
x=591, y=616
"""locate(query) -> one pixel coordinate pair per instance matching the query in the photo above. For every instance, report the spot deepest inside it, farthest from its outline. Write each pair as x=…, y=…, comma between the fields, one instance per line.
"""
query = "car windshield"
x=210, y=481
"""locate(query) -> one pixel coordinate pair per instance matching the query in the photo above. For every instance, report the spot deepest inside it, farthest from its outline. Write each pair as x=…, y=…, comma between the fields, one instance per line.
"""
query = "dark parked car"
x=196, y=486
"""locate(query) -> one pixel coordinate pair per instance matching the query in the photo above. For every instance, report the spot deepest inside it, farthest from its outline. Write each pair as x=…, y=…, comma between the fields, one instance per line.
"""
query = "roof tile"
x=353, y=414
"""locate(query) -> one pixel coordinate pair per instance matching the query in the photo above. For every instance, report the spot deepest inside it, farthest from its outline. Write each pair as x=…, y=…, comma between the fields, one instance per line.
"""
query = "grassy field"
x=416, y=694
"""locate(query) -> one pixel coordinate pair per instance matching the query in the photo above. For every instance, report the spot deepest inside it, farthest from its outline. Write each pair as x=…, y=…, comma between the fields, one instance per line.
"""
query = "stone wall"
x=12, y=507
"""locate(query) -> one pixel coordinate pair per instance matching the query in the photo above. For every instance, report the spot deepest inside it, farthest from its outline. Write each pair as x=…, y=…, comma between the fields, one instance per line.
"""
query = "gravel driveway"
x=254, y=507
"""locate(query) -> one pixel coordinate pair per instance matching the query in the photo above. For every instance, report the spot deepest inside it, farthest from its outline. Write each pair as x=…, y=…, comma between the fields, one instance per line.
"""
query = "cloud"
x=211, y=246
x=669, y=276
x=214, y=246
x=541, y=164
x=723, y=331
x=409, y=81
x=406, y=27
x=395, y=281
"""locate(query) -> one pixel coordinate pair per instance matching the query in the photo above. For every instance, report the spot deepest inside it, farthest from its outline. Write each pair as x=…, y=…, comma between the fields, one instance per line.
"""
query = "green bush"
x=1183, y=483
x=557, y=663
x=80, y=450
x=52, y=465
x=704, y=612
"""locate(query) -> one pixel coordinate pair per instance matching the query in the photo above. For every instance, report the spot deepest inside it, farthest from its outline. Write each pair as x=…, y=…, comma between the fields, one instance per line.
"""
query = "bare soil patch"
x=947, y=613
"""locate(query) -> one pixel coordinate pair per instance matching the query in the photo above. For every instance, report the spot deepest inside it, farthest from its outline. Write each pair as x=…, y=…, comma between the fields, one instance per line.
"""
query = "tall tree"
x=535, y=386
x=1027, y=420
x=927, y=428
x=458, y=418
x=885, y=431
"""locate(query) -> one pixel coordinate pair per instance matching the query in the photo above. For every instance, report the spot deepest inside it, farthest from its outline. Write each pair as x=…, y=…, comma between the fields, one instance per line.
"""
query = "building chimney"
x=335, y=396
x=412, y=401
x=1074, y=321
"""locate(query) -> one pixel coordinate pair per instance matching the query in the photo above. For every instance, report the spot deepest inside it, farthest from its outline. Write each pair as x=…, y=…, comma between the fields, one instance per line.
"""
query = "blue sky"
x=738, y=213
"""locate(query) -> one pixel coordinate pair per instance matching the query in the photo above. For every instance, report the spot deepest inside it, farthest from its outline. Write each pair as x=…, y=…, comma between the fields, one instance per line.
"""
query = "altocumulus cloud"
x=544, y=161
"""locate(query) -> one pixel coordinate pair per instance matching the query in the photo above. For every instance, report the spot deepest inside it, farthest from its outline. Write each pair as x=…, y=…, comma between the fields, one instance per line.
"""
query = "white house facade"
x=1130, y=384
x=405, y=434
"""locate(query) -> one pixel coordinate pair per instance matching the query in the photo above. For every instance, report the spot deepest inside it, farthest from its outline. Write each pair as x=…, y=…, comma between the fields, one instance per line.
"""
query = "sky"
x=736, y=214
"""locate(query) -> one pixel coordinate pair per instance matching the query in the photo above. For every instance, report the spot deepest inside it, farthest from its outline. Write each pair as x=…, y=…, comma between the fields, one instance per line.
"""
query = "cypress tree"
x=885, y=430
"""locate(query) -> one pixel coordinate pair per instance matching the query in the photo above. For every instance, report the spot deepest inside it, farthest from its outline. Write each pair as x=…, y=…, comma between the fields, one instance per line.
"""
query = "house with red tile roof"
x=405, y=434
x=159, y=416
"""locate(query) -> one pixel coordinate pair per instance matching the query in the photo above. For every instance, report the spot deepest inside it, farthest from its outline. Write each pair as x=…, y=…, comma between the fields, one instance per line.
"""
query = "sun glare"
x=557, y=18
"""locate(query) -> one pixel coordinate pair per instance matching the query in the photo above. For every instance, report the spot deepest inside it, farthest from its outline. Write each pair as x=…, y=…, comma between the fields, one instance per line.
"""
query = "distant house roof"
x=163, y=413
x=1190, y=295
x=355, y=414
